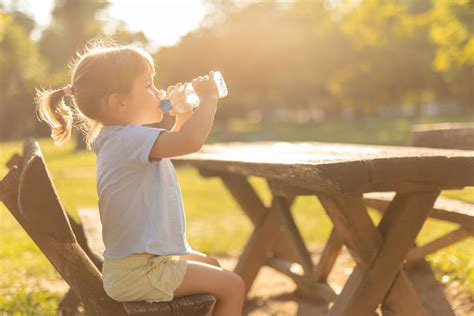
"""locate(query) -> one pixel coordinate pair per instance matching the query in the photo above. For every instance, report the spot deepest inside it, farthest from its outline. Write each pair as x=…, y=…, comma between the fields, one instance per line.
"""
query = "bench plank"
x=15, y=160
x=30, y=195
x=444, y=135
x=445, y=208
x=198, y=304
x=417, y=254
x=59, y=246
x=189, y=305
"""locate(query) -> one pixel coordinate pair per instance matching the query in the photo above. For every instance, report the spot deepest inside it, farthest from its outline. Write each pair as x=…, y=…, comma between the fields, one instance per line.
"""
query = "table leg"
x=328, y=257
x=282, y=206
x=251, y=204
x=284, y=250
x=431, y=293
x=275, y=241
x=379, y=252
x=258, y=248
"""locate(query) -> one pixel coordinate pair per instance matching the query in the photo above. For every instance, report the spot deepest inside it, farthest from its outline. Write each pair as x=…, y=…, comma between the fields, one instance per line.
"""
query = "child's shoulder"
x=131, y=141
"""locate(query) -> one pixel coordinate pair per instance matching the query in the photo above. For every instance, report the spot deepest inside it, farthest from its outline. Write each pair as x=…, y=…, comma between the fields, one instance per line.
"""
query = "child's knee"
x=214, y=262
x=238, y=285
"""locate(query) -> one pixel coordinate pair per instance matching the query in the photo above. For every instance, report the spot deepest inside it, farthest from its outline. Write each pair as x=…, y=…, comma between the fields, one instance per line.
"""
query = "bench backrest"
x=30, y=195
x=444, y=135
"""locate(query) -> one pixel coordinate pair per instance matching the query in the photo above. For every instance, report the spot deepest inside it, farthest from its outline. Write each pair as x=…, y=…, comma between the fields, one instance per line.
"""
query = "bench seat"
x=189, y=305
x=445, y=208
x=74, y=250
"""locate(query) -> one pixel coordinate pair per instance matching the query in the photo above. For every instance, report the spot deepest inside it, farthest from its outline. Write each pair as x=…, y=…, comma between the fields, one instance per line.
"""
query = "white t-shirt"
x=140, y=203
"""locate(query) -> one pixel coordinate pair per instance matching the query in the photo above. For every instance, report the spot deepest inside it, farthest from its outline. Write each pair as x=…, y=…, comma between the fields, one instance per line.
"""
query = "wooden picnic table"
x=338, y=175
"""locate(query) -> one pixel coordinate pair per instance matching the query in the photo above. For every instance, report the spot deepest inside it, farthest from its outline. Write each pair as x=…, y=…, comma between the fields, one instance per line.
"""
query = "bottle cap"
x=165, y=105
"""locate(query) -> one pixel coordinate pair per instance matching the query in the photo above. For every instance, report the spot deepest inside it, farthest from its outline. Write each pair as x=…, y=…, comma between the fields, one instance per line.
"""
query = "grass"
x=216, y=224
x=375, y=131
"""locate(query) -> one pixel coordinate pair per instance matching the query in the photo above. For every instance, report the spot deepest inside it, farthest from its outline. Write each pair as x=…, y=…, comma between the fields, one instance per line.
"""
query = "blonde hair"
x=101, y=69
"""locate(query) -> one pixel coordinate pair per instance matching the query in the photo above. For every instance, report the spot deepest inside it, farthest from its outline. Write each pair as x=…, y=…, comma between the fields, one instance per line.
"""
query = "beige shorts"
x=143, y=277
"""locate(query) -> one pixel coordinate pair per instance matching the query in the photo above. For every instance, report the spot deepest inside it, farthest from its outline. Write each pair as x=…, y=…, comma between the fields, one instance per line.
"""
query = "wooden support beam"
x=381, y=251
x=431, y=293
x=15, y=160
x=283, y=189
x=9, y=184
x=307, y=287
x=419, y=253
x=251, y=204
x=258, y=248
x=281, y=205
x=445, y=209
x=328, y=257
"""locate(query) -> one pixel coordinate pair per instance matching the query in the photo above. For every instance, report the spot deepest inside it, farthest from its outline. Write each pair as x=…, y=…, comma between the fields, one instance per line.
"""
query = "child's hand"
x=170, y=88
x=176, y=92
x=184, y=116
x=205, y=87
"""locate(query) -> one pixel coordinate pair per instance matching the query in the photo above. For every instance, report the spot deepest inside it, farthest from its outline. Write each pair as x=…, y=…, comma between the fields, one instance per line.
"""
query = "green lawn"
x=216, y=225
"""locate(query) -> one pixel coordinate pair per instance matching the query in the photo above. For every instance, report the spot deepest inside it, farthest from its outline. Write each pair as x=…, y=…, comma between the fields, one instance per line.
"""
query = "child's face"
x=143, y=102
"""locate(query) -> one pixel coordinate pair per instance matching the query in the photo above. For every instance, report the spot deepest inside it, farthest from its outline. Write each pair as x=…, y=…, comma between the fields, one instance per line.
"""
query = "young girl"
x=146, y=254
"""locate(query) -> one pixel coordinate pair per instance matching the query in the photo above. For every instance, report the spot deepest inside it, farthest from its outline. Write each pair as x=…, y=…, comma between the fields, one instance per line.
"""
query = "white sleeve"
x=138, y=141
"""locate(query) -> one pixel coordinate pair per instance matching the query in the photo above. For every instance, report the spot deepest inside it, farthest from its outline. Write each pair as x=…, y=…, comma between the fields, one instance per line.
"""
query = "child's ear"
x=116, y=103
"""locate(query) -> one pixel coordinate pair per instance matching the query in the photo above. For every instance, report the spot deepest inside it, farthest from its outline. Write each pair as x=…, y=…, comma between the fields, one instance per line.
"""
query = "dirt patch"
x=274, y=293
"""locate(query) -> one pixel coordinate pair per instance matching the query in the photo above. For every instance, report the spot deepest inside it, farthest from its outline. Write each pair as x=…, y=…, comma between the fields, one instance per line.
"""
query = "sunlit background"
x=346, y=71
x=163, y=22
x=285, y=62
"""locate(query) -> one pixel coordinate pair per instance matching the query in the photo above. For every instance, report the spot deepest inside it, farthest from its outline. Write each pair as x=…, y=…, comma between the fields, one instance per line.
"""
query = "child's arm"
x=195, y=130
x=180, y=119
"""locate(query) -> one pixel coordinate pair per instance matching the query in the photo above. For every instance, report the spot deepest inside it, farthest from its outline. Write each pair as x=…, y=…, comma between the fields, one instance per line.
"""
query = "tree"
x=21, y=68
x=452, y=31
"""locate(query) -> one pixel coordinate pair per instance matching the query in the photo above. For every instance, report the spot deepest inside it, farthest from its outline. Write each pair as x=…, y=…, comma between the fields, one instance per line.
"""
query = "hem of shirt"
x=167, y=252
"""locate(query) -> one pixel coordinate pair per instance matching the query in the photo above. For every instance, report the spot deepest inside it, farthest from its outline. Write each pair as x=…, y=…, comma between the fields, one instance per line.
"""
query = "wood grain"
x=340, y=168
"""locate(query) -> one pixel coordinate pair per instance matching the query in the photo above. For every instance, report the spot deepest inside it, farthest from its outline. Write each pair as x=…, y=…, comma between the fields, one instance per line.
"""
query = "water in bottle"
x=184, y=98
x=220, y=83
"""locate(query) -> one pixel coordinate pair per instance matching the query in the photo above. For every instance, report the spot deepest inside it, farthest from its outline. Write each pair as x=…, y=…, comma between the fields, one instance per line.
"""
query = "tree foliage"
x=333, y=56
x=21, y=68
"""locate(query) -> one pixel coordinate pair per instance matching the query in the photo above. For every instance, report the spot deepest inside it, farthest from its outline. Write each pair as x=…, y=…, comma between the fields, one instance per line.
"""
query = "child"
x=146, y=255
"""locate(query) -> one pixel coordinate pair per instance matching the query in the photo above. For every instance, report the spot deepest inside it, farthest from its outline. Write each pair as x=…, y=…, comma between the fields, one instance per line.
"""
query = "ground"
x=274, y=293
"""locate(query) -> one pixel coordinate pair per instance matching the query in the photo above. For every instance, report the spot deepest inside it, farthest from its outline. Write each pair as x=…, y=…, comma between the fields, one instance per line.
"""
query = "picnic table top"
x=340, y=168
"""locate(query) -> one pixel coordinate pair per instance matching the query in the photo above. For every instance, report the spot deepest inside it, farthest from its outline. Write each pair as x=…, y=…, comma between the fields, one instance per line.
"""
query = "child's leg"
x=201, y=257
x=228, y=287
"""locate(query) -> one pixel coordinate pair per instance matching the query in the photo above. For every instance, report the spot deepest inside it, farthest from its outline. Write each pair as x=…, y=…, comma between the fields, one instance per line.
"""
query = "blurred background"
x=302, y=62
x=354, y=71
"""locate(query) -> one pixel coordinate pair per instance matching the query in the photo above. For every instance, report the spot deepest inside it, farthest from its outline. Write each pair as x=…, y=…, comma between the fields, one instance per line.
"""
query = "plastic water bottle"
x=184, y=98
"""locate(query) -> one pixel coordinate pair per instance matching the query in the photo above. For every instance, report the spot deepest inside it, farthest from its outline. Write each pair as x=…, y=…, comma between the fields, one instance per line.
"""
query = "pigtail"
x=101, y=69
x=50, y=108
x=89, y=128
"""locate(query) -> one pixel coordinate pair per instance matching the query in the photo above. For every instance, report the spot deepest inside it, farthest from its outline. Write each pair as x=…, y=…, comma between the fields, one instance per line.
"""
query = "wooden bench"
x=443, y=135
x=29, y=194
x=447, y=136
